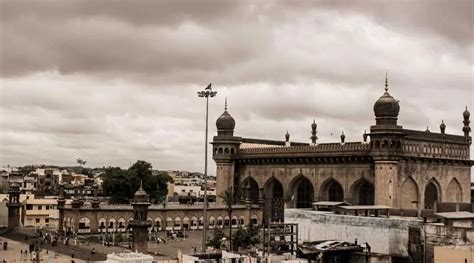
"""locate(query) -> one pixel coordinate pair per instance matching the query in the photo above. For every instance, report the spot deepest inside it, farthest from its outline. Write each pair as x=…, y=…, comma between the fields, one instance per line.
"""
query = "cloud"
x=115, y=82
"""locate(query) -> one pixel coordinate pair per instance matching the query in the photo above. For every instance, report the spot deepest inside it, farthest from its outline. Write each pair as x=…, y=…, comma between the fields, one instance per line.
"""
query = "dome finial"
x=386, y=81
x=225, y=106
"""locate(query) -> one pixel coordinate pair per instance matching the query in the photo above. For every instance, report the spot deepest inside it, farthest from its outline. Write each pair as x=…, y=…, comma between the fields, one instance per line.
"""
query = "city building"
x=40, y=213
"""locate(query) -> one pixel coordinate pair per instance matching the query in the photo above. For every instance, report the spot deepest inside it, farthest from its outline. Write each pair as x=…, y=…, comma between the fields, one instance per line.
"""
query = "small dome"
x=466, y=114
x=225, y=122
x=140, y=193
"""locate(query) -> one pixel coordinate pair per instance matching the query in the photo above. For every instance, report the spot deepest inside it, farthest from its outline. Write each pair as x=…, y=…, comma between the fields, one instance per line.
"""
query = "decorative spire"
x=313, y=132
x=141, y=184
x=386, y=81
x=442, y=127
x=365, y=135
x=466, y=129
x=343, y=137
x=287, y=136
x=225, y=106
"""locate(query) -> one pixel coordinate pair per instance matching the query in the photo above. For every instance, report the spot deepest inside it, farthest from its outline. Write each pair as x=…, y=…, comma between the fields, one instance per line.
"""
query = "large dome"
x=386, y=106
x=225, y=122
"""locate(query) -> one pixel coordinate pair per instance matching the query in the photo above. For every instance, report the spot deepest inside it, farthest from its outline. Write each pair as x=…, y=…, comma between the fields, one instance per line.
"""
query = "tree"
x=121, y=184
x=245, y=238
x=228, y=198
x=117, y=185
x=217, y=241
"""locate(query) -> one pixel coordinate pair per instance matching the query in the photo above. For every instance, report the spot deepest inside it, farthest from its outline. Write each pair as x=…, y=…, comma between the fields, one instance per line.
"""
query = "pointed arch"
x=186, y=223
x=273, y=200
x=84, y=225
x=409, y=194
x=253, y=190
x=102, y=224
x=432, y=193
x=303, y=191
x=331, y=190
x=158, y=224
x=454, y=191
x=363, y=192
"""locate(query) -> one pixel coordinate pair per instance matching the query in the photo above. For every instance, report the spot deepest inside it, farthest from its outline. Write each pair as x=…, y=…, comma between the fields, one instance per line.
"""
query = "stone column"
x=386, y=183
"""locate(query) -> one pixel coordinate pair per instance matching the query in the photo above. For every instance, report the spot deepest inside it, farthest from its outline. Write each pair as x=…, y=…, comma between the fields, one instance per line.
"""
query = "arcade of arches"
x=301, y=192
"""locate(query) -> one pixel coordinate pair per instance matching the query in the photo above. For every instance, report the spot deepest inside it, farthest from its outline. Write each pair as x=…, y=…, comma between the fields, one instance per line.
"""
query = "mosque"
x=406, y=170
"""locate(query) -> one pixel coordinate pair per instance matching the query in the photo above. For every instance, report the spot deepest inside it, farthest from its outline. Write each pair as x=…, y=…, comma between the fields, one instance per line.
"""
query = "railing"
x=325, y=147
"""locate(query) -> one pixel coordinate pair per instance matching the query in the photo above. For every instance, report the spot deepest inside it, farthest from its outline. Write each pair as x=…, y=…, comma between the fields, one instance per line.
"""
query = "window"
x=46, y=220
x=47, y=207
x=40, y=207
x=29, y=207
x=37, y=220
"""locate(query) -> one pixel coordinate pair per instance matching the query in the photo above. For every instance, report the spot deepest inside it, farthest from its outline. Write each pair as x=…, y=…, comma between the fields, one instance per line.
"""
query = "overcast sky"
x=115, y=81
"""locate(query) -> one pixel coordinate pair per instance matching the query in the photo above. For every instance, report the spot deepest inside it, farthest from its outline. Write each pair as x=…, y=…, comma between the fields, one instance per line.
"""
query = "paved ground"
x=82, y=249
x=13, y=253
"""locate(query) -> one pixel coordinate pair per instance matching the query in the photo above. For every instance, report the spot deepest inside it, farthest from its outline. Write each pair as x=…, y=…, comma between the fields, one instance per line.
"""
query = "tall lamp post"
x=206, y=93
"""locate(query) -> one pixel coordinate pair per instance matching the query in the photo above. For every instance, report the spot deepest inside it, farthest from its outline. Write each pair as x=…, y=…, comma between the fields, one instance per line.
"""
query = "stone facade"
x=400, y=168
x=116, y=218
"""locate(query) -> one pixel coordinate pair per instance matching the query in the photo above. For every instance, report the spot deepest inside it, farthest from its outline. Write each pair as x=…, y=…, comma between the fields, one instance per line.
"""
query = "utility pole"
x=206, y=93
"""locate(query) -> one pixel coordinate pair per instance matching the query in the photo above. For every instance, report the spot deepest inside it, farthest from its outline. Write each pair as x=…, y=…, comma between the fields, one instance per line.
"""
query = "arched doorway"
x=431, y=195
x=304, y=193
x=251, y=186
x=274, y=201
x=332, y=191
x=363, y=193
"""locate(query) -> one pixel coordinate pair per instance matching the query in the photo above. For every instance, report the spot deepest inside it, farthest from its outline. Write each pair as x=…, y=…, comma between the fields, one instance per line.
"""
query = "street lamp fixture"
x=206, y=93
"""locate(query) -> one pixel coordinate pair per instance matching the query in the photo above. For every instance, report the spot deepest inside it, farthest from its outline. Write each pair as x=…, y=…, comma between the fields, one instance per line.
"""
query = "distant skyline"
x=115, y=82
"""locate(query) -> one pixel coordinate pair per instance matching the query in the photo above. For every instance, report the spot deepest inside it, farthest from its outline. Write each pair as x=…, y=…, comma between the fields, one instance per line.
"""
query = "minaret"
x=385, y=140
x=313, y=137
x=13, y=206
x=140, y=224
x=225, y=147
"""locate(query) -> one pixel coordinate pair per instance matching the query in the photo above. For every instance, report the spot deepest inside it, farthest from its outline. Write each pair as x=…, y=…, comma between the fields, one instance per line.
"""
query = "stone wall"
x=385, y=235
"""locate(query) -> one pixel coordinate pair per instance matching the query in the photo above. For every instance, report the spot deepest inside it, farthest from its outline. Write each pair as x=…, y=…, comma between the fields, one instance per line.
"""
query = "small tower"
x=140, y=224
x=61, y=202
x=287, y=139
x=76, y=201
x=466, y=129
x=13, y=206
x=95, y=201
x=313, y=137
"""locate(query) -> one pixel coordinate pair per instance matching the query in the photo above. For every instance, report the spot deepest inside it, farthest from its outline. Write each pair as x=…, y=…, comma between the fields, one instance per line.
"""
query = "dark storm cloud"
x=115, y=81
